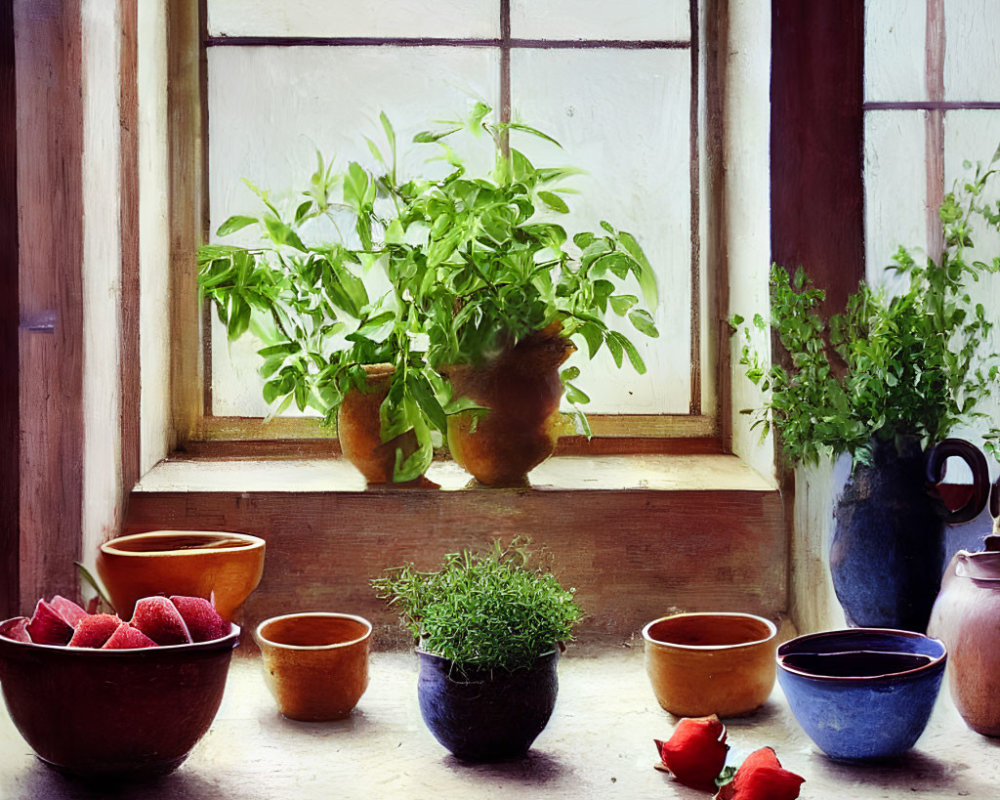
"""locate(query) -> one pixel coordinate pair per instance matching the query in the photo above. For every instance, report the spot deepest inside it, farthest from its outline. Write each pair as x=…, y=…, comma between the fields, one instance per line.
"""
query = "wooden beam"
x=817, y=156
x=50, y=192
x=9, y=368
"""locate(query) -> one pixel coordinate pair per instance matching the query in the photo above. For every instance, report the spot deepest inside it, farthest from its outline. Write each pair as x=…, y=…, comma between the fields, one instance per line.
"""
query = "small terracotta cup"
x=225, y=565
x=711, y=662
x=315, y=663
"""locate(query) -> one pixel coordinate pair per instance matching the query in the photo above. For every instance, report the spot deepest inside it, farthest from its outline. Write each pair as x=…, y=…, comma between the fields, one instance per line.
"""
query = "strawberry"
x=761, y=777
x=203, y=621
x=160, y=620
x=94, y=631
x=125, y=636
x=696, y=752
x=16, y=629
x=47, y=626
x=67, y=609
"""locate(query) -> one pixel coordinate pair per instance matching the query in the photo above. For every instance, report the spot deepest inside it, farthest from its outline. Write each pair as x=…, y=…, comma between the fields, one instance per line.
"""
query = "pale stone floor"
x=598, y=745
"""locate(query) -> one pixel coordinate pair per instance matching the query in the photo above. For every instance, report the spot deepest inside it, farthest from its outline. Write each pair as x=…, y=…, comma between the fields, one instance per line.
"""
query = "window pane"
x=894, y=50
x=270, y=109
x=445, y=18
x=974, y=136
x=624, y=117
x=599, y=19
x=895, y=186
x=972, y=60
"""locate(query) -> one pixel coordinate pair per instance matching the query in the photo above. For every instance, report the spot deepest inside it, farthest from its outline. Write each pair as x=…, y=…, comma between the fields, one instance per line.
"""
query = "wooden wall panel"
x=9, y=367
x=632, y=555
x=49, y=140
x=817, y=194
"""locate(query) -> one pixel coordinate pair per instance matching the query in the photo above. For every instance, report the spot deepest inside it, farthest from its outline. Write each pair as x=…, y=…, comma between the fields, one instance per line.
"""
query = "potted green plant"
x=885, y=381
x=489, y=628
x=478, y=276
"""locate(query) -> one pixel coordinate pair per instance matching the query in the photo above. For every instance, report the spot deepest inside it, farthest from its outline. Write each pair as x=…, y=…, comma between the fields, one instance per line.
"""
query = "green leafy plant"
x=902, y=364
x=469, y=265
x=483, y=611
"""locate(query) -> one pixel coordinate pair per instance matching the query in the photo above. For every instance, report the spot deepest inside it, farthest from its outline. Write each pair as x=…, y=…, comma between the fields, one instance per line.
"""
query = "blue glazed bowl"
x=489, y=715
x=862, y=694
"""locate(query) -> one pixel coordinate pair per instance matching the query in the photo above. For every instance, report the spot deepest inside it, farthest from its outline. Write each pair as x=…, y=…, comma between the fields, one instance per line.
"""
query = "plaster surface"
x=598, y=745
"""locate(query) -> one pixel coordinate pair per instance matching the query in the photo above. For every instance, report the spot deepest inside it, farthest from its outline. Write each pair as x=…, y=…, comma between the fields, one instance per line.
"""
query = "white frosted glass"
x=334, y=18
x=270, y=109
x=895, y=188
x=974, y=136
x=894, y=50
x=599, y=19
x=624, y=117
x=972, y=54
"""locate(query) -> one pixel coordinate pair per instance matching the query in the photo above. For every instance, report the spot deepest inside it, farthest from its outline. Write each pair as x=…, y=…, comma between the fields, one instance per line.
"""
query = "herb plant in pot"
x=489, y=628
x=486, y=295
x=886, y=382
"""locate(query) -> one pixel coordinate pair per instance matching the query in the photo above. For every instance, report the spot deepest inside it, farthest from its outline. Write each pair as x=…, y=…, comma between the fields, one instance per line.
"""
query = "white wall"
x=101, y=272
x=747, y=171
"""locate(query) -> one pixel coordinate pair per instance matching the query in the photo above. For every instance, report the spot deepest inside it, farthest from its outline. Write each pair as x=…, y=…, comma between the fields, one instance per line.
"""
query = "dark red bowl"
x=121, y=714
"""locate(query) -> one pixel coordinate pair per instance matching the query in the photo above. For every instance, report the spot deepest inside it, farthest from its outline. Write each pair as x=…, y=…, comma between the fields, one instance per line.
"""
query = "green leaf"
x=235, y=223
x=621, y=303
x=554, y=201
x=644, y=272
x=643, y=322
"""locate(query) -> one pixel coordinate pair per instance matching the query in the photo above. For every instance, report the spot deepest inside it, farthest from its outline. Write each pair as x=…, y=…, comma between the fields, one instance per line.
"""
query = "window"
x=620, y=87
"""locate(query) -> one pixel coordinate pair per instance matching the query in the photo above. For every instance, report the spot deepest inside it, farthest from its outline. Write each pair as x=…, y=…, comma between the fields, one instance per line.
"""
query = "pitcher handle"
x=971, y=455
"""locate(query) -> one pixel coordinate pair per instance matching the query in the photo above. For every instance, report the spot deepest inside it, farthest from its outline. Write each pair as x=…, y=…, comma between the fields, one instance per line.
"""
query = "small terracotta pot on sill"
x=720, y=663
x=224, y=565
x=521, y=389
x=315, y=663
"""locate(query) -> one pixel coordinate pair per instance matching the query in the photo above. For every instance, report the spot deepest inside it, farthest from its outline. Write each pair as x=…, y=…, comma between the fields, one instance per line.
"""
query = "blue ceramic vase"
x=862, y=694
x=486, y=715
x=887, y=554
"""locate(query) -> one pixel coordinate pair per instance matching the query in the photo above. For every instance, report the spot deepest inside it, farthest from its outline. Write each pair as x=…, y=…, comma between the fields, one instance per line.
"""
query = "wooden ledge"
x=563, y=473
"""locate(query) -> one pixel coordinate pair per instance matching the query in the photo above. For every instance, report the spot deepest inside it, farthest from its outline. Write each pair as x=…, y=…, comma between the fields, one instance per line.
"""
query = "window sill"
x=563, y=473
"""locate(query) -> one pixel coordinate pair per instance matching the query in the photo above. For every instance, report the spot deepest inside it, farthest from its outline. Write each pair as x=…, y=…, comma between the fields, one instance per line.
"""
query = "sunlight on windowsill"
x=562, y=473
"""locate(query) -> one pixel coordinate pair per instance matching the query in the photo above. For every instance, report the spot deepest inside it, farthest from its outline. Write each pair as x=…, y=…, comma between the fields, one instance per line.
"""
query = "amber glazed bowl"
x=192, y=563
x=315, y=663
x=114, y=714
x=711, y=662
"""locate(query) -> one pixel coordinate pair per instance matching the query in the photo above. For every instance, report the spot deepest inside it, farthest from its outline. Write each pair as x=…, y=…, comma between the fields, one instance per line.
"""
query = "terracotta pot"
x=521, y=388
x=315, y=663
x=710, y=663
x=227, y=566
x=359, y=429
x=966, y=618
x=486, y=715
x=113, y=714
x=887, y=553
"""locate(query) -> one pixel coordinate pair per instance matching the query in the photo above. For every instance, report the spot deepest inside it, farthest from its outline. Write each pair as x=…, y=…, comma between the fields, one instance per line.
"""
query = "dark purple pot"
x=486, y=715
x=887, y=554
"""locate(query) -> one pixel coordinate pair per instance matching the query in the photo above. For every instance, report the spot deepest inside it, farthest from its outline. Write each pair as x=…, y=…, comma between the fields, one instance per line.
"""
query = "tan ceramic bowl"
x=315, y=663
x=711, y=662
x=192, y=563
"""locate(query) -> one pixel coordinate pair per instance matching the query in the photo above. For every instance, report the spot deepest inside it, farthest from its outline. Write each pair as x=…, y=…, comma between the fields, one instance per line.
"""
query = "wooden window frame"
x=201, y=434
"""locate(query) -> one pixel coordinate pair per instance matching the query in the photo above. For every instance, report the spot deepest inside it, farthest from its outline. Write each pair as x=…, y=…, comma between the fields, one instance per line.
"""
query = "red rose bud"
x=696, y=752
x=761, y=777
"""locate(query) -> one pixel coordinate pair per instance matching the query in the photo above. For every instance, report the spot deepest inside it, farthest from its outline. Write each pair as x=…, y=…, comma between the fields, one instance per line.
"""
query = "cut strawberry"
x=160, y=620
x=127, y=637
x=16, y=629
x=47, y=626
x=203, y=621
x=94, y=631
x=68, y=610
